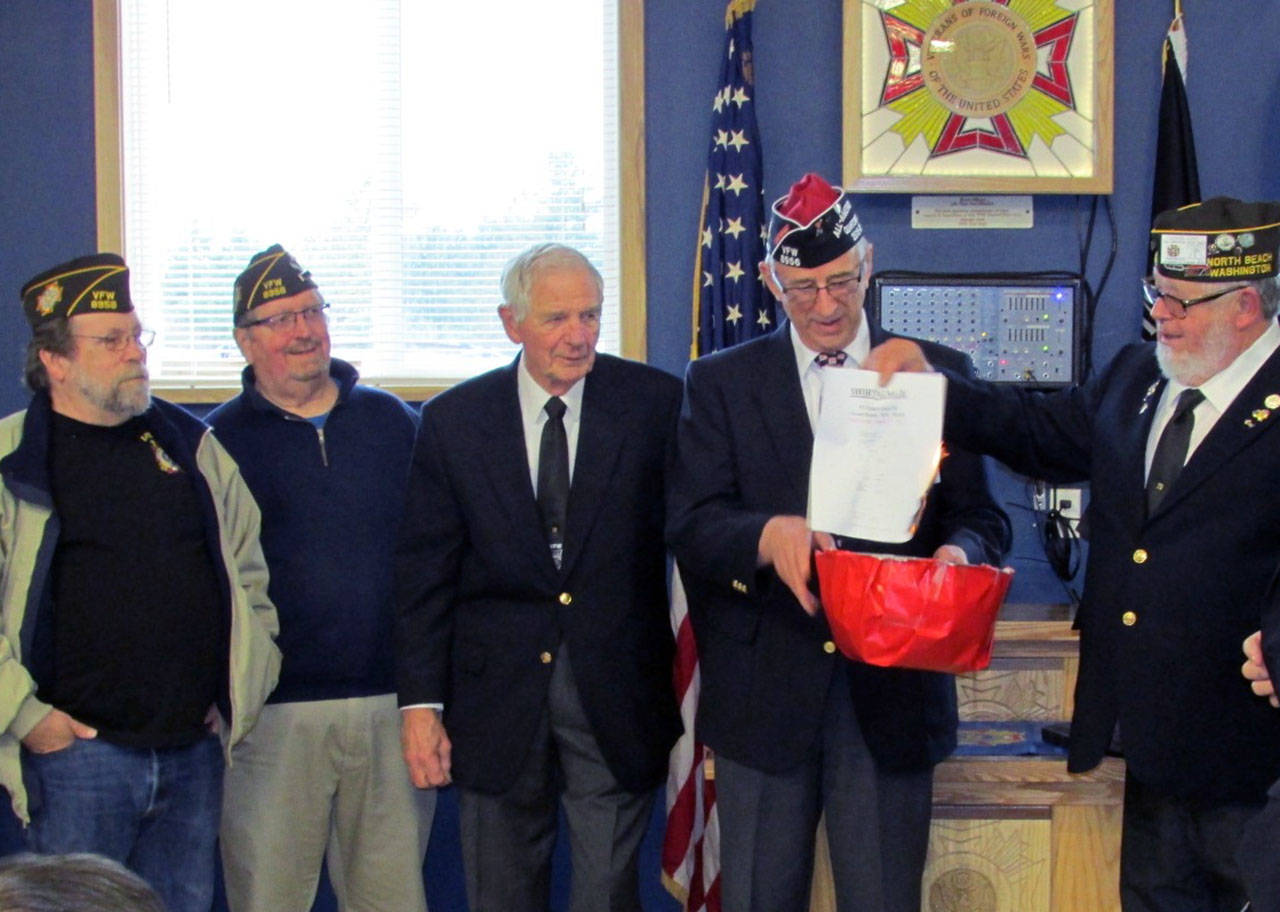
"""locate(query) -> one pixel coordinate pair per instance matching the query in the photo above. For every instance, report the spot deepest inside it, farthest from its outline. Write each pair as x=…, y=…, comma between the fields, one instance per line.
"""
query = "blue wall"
x=46, y=158
x=47, y=177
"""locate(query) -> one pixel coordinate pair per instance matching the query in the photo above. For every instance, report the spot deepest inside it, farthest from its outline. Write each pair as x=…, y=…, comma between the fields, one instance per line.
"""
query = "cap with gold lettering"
x=1219, y=240
x=813, y=224
x=271, y=274
x=98, y=283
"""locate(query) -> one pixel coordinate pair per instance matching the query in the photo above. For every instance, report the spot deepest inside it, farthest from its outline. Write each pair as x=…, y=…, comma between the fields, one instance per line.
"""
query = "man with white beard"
x=135, y=626
x=1178, y=444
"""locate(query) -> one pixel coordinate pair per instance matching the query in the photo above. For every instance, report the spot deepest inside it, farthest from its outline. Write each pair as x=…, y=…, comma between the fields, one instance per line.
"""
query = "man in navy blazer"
x=534, y=649
x=1183, y=544
x=797, y=729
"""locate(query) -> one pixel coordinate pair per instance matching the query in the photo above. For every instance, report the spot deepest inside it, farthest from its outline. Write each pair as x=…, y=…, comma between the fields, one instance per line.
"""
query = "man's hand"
x=55, y=732
x=951, y=554
x=427, y=751
x=787, y=543
x=1255, y=670
x=895, y=355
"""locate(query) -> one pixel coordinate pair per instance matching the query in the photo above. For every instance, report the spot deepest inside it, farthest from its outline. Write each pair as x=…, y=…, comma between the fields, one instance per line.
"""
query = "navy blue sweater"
x=331, y=501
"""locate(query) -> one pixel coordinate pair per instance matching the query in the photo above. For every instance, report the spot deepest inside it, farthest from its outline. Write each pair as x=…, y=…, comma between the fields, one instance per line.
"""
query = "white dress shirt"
x=1220, y=391
x=811, y=373
x=533, y=414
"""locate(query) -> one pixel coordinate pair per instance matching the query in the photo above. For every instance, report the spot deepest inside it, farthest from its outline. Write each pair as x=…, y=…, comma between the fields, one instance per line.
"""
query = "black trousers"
x=1259, y=855
x=1179, y=855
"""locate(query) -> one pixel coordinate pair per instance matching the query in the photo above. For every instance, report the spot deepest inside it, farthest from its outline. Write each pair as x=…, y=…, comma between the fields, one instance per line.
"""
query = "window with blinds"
x=402, y=150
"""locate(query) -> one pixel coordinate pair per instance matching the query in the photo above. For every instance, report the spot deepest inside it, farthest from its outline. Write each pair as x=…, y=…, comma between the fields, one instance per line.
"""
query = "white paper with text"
x=876, y=452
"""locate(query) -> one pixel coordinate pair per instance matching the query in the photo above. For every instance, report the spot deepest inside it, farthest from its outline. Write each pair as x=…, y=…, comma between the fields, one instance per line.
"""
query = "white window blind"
x=402, y=150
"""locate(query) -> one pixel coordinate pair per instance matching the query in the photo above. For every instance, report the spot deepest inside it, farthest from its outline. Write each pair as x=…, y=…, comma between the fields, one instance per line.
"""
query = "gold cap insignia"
x=49, y=299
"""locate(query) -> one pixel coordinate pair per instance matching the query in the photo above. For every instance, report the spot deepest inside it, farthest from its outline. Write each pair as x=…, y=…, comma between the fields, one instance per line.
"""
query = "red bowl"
x=911, y=612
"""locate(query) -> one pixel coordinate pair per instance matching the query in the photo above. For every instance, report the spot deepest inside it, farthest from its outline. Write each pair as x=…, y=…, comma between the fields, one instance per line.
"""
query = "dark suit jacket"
x=480, y=601
x=744, y=445
x=1168, y=599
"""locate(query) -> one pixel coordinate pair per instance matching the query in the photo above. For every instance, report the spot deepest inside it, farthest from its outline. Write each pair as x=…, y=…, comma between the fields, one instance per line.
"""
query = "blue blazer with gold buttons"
x=482, y=610
x=744, y=446
x=1168, y=598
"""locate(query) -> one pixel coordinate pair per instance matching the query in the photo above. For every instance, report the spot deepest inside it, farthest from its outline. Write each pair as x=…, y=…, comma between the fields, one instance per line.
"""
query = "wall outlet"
x=1067, y=501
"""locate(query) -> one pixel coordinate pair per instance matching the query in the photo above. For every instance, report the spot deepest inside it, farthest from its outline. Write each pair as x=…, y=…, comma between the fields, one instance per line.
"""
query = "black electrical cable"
x=1092, y=295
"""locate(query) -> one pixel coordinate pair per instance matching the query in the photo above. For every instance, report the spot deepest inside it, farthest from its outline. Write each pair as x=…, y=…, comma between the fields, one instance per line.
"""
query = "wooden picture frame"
x=978, y=96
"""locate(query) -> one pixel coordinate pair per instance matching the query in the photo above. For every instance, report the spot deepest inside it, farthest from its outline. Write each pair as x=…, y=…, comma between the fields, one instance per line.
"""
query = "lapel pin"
x=1272, y=401
x=1261, y=414
x=1146, y=397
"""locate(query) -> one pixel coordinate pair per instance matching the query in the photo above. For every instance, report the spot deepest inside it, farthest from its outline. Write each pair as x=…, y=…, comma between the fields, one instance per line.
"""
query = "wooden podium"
x=1017, y=833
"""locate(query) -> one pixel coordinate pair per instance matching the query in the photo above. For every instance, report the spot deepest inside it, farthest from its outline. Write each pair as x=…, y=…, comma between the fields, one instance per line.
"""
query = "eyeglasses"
x=118, y=341
x=1178, y=306
x=289, y=318
x=804, y=294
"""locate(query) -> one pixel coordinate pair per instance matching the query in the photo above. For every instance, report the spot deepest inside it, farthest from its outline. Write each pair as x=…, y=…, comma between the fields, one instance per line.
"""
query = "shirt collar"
x=1221, y=389
x=857, y=350
x=533, y=398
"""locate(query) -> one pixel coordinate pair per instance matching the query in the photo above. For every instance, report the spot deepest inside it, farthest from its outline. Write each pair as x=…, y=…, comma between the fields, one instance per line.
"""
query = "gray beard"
x=129, y=400
x=1194, y=369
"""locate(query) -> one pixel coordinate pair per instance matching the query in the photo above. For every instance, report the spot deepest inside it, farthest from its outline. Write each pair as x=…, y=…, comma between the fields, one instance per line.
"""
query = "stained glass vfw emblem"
x=978, y=95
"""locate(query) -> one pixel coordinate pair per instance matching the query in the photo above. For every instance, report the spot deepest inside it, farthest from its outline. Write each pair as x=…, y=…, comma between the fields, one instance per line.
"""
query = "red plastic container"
x=911, y=612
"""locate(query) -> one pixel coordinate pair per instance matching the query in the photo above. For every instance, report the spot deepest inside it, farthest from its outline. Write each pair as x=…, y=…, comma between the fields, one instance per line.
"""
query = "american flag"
x=730, y=302
x=691, y=847
x=730, y=305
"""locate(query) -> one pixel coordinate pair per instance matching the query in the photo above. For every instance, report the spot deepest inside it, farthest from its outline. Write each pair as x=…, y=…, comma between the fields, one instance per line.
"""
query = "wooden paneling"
x=1018, y=833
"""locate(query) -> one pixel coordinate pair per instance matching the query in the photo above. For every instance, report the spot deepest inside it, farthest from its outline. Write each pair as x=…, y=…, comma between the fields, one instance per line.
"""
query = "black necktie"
x=553, y=477
x=1171, y=450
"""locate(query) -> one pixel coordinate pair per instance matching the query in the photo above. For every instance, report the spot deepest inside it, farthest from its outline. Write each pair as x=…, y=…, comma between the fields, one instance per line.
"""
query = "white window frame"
x=631, y=217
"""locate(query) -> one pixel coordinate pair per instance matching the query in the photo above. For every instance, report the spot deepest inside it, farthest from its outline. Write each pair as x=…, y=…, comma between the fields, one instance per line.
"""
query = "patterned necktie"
x=831, y=359
x=553, y=477
x=1171, y=450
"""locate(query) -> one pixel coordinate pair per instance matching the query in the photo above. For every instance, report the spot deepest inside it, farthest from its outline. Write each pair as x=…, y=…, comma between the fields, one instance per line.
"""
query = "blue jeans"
x=154, y=811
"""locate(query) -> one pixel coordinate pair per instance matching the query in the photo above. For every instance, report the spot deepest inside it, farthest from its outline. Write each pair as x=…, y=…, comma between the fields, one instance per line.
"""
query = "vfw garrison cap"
x=1219, y=240
x=271, y=274
x=98, y=283
x=813, y=224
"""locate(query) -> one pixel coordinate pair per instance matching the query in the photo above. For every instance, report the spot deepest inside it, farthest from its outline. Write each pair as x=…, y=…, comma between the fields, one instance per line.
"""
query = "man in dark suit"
x=796, y=728
x=532, y=602
x=1177, y=442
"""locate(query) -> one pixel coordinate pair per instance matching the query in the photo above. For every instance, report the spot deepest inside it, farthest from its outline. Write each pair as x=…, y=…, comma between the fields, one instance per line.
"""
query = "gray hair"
x=51, y=336
x=78, y=882
x=523, y=269
x=1269, y=291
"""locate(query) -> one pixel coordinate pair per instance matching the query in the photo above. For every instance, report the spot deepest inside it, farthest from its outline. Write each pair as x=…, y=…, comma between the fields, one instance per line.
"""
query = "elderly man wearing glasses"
x=136, y=625
x=322, y=776
x=799, y=730
x=1180, y=442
